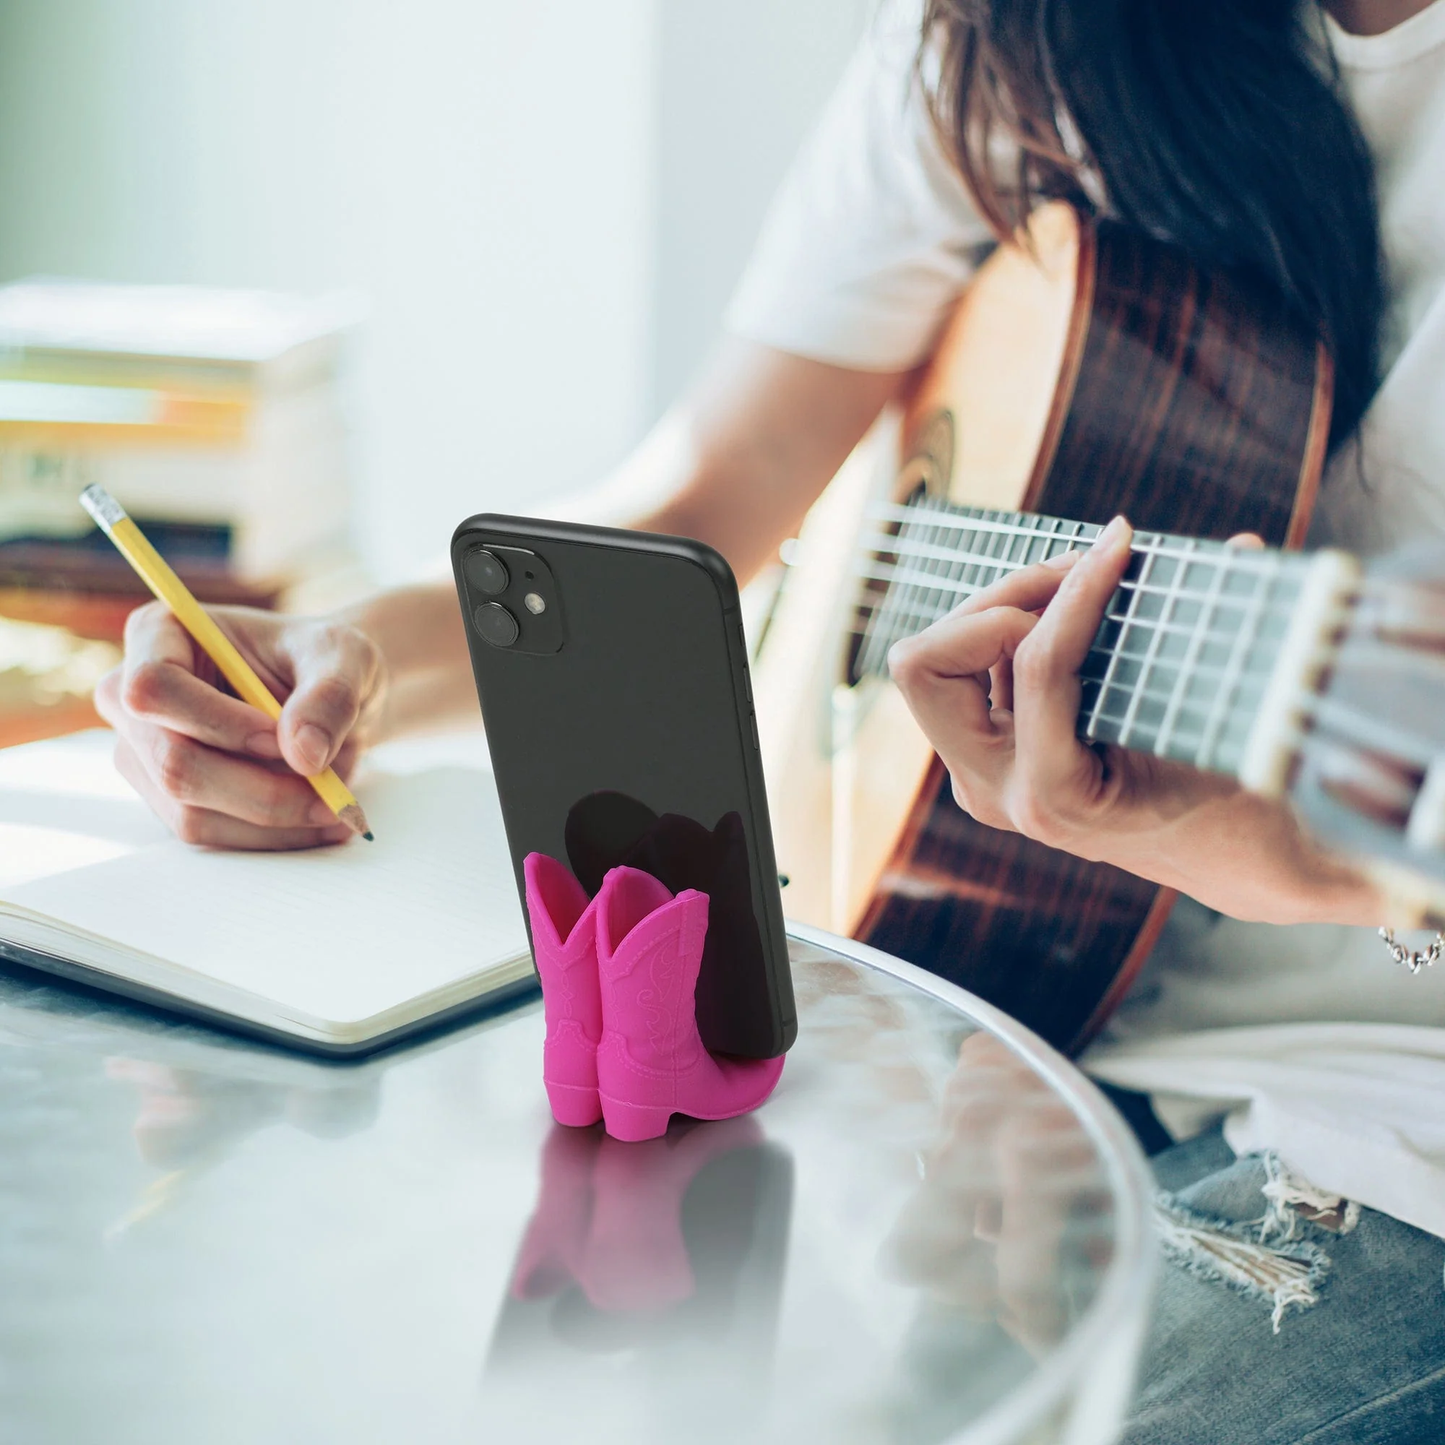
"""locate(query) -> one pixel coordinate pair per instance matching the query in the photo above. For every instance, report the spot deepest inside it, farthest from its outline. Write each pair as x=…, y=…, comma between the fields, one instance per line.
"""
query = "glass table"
x=936, y=1230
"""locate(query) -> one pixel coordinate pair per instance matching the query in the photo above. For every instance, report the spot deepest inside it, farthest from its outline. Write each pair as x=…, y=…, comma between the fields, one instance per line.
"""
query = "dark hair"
x=1215, y=124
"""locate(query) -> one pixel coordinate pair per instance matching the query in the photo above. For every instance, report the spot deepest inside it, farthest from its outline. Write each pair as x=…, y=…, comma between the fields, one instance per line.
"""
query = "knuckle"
x=176, y=767
x=1032, y=665
x=280, y=802
x=142, y=688
x=336, y=695
x=191, y=825
x=346, y=644
x=343, y=637
x=143, y=620
x=903, y=663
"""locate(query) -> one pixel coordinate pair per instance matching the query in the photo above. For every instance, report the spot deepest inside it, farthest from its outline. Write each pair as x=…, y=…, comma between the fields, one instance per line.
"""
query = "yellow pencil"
x=111, y=518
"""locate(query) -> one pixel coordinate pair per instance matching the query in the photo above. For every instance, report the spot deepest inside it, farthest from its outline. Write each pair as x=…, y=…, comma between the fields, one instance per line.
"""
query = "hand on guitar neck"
x=995, y=685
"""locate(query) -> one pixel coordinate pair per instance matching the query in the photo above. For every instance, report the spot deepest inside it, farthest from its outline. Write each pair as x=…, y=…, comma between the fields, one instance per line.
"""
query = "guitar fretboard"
x=1182, y=657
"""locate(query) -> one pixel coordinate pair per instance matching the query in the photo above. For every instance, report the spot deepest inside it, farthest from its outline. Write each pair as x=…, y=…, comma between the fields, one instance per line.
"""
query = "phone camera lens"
x=496, y=624
x=487, y=573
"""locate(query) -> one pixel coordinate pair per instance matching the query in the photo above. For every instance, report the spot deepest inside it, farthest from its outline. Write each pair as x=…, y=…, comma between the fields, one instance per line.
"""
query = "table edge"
x=1127, y=1289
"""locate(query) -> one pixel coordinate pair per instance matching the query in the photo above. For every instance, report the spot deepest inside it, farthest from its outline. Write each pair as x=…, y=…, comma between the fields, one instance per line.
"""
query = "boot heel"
x=573, y=1105
x=634, y=1122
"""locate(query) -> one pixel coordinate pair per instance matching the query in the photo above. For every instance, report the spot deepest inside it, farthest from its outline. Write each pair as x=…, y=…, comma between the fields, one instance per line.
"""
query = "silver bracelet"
x=1413, y=958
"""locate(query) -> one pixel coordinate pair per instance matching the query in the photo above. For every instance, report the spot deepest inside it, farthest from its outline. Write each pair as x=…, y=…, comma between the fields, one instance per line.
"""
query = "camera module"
x=495, y=623
x=486, y=572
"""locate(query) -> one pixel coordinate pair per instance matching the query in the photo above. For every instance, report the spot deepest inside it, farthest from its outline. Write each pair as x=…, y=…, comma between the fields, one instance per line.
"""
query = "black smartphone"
x=613, y=678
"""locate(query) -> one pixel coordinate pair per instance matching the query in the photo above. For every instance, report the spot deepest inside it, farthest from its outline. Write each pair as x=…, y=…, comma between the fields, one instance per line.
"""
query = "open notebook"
x=336, y=949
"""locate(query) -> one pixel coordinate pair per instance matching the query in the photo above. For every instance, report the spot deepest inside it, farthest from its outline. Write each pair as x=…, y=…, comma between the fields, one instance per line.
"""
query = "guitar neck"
x=1183, y=660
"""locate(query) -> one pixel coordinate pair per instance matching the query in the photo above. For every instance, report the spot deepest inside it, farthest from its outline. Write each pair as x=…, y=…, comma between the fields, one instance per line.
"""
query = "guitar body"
x=1091, y=373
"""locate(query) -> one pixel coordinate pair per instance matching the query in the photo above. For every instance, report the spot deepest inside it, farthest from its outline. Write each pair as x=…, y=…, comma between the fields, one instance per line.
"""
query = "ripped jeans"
x=1359, y=1355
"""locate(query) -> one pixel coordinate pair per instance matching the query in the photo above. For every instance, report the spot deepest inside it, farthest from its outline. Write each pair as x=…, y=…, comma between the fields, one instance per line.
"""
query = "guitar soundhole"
x=925, y=473
x=930, y=459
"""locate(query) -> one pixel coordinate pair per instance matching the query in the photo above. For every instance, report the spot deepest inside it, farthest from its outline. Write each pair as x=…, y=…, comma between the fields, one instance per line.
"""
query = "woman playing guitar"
x=1301, y=145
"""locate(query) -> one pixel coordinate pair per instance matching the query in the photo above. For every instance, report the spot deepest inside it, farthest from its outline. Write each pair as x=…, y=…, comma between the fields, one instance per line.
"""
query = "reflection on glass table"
x=934, y=1231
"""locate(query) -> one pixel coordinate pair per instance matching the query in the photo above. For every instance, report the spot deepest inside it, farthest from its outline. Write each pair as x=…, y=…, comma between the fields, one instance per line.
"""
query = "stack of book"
x=214, y=417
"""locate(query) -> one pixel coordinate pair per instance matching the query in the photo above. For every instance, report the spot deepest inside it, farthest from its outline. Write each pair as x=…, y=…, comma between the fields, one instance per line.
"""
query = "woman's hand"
x=995, y=686
x=219, y=772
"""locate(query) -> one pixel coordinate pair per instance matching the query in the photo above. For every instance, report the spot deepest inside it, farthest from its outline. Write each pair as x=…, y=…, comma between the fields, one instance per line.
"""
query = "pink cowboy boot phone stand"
x=619, y=977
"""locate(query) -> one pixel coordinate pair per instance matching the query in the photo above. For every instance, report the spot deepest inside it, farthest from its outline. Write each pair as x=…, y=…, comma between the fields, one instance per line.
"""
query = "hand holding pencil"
x=210, y=764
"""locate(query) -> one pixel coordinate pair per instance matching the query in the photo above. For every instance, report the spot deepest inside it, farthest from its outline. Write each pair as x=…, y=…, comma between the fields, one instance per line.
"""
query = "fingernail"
x=313, y=744
x=320, y=816
x=263, y=745
x=1116, y=532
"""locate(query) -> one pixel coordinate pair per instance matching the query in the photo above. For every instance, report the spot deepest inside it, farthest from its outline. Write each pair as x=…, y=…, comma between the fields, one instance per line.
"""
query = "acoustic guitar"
x=1087, y=371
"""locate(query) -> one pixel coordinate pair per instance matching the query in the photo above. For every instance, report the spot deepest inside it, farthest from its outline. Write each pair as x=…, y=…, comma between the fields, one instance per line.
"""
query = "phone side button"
x=753, y=723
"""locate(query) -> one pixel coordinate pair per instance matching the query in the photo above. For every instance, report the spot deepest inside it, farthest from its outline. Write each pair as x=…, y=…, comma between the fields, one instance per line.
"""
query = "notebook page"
x=341, y=933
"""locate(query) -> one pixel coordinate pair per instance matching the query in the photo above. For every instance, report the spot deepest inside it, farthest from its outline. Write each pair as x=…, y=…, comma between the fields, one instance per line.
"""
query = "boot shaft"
x=649, y=951
x=564, y=944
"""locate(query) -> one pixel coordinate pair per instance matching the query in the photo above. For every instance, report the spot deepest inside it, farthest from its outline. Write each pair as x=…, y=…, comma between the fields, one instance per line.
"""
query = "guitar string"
x=872, y=655
x=1362, y=727
x=1178, y=629
x=1146, y=671
x=1087, y=534
x=1091, y=723
x=900, y=576
x=924, y=596
x=1190, y=659
x=1212, y=561
x=1138, y=689
x=888, y=573
x=1240, y=560
x=872, y=610
x=1162, y=542
x=1235, y=561
x=1245, y=640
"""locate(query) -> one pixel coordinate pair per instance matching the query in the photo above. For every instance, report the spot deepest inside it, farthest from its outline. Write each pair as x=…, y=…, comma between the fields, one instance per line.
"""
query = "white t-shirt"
x=1308, y=1038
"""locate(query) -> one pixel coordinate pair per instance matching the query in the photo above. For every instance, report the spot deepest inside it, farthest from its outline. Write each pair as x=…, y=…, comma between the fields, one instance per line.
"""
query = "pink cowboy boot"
x=564, y=943
x=651, y=1063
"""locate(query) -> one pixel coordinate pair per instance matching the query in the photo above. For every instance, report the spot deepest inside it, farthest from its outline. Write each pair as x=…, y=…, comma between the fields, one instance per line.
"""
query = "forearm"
x=1248, y=857
x=422, y=639
x=738, y=463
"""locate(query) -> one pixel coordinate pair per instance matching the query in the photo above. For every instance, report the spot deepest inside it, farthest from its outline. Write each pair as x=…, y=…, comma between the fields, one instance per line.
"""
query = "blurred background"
x=543, y=208
x=533, y=215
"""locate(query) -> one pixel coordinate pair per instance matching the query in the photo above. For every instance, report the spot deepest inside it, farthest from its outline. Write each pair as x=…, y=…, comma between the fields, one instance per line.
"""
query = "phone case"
x=612, y=673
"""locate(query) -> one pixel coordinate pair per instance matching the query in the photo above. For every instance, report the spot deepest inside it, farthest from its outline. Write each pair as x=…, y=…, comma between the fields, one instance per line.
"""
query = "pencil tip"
x=355, y=819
